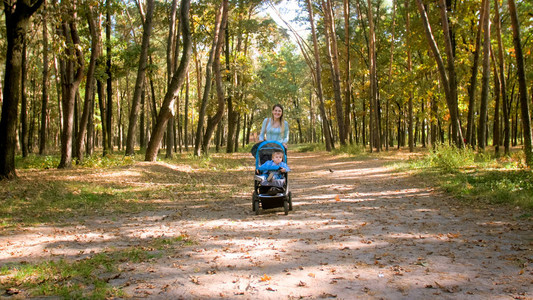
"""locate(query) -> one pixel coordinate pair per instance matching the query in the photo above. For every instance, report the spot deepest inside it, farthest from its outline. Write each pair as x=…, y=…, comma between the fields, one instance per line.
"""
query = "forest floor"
x=358, y=230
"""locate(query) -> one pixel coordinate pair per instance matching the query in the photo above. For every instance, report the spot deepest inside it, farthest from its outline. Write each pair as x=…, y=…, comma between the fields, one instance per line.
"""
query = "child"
x=273, y=171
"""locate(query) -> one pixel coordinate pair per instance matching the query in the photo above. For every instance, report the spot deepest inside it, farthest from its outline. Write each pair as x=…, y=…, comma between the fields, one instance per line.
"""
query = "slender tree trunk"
x=347, y=87
x=109, y=85
x=318, y=81
x=522, y=87
x=331, y=45
x=387, y=104
x=503, y=84
x=17, y=18
x=166, y=111
x=374, y=109
x=44, y=101
x=213, y=121
x=409, y=70
x=24, y=103
x=141, y=73
x=207, y=87
x=186, y=118
x=473, y=78
x=483, y=115
x=94, y=28
x=71, y=80
x=447, y=78
x=497, y=91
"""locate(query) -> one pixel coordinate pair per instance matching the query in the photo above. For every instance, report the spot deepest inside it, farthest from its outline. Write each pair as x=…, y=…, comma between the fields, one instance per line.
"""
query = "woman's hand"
x=285, y=145
x=282, y=170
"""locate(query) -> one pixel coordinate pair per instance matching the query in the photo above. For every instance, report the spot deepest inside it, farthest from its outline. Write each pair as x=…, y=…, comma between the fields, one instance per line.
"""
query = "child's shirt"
x=271, y=166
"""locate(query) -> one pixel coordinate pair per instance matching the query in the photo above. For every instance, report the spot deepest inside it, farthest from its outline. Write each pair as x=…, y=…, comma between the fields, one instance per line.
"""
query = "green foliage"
x=477, y=178
x=311, y=147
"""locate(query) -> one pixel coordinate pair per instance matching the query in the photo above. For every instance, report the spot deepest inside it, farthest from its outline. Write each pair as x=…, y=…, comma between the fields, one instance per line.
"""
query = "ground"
x=359, y=230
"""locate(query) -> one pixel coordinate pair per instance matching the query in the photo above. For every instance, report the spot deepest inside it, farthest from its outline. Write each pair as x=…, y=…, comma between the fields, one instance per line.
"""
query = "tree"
x=17, y=16
x=166, y=111
x=522, y=88
x=317, y=76
x=141, y=73
x=72, y=67
x=482, y=128
x=447, y=74
x=44, y=98
x=94, y=28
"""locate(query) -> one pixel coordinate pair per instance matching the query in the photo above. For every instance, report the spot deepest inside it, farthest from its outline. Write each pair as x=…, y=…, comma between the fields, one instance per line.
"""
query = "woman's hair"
x=281, y=123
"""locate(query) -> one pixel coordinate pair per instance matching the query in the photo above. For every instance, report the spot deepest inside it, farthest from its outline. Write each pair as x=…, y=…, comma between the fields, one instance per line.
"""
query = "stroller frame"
x=260, y=198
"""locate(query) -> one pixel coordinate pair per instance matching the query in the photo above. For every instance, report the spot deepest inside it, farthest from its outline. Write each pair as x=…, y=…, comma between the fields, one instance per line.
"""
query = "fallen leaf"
x=265, y=278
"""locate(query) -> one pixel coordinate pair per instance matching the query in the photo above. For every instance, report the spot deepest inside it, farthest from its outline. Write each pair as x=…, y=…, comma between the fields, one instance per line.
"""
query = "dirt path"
x=358, y=231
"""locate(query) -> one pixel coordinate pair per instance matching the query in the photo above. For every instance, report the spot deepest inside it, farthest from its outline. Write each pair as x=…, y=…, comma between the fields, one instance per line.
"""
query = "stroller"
x=262, y=198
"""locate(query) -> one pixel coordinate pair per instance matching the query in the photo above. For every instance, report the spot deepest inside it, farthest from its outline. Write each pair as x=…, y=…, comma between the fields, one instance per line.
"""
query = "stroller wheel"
x=290, y=200
x=256, y=207
x=286, y=207
x=254, y=199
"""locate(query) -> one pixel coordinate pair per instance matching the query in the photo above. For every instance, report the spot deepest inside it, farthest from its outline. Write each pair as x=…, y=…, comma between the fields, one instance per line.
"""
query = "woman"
x=272, y=129
x=275, y=128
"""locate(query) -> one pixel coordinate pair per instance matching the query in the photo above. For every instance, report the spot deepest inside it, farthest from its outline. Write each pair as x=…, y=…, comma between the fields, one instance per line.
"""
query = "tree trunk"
x=387, y=104
x=375, y=137
x=94, y=28
x=447, y=78
x=473, y=78
x=332, y=51
x=483, y=115
x=178, y=78
x=347, y=84
x=497, y=91
x=207, y=87
x=23, y=103
x=71, y=79
x=44, y=101
x=524, y=105
x=318, y=82
x=139, y=84
x=17, y=18
x=109, y=85
x=212, y=122
x=503, y=84
x=409, y=70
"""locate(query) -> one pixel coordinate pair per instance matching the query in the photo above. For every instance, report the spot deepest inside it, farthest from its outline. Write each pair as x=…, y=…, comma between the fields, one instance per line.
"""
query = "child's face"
x=277, y=158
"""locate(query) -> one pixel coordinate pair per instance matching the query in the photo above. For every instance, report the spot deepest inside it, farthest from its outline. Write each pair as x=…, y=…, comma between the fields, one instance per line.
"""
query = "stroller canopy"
x=265, y=150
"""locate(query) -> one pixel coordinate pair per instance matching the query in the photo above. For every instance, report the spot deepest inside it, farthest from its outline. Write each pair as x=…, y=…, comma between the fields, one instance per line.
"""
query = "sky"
x=289, y=10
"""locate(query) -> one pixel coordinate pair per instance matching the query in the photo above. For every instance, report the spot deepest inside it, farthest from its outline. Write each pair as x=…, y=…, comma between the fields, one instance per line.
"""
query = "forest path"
x=358, y=231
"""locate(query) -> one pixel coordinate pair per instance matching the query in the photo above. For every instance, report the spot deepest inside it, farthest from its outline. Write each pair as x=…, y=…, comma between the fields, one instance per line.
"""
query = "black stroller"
x=263, y=198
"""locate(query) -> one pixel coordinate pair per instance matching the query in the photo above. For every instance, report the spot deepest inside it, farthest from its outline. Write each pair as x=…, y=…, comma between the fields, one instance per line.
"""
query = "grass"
x=110, y=185
x=477, y=177
x=85, y=278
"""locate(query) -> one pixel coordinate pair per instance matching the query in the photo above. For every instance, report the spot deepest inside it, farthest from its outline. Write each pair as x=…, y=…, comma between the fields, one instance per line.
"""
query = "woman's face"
x=277, y=113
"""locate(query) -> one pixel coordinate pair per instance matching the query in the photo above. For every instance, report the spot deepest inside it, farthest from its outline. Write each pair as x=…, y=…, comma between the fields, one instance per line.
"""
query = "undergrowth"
x=477, y=177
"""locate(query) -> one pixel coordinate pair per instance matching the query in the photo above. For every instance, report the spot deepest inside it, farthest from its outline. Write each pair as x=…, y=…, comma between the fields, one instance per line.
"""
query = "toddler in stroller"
x=273, y=172
x=271, y=188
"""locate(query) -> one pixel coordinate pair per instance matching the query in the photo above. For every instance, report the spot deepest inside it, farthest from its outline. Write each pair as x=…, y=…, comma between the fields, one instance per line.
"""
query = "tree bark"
x=347, y=87
x=178, y=78
x=333, y=53
x=109, y=85
x=213, y=121
x=318, y=82
x=447, y=78
x=24, y=102
x=94, y=28
x=139, y=84
x=473, y=78
x=17, y=18
x=482, y=128
x=71, y=79
x=207, y=87
x=44, y=101
x=522, y=87
x=409, y=70
x=501, y=72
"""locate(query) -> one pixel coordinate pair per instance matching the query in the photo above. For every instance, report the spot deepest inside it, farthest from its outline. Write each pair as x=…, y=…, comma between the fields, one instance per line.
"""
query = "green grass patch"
x=86, y=278
x=45, y=162
x=54, y=201
x=477, y=177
